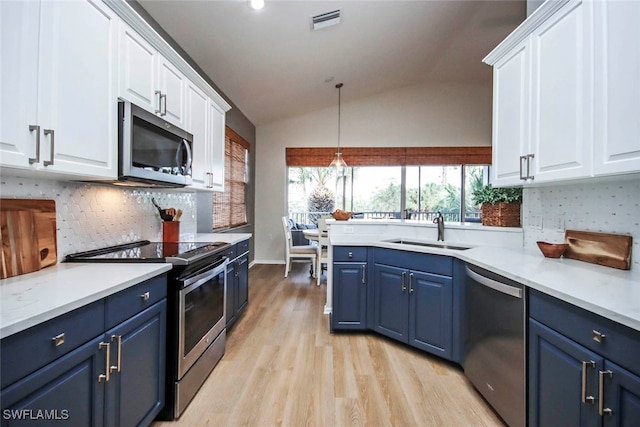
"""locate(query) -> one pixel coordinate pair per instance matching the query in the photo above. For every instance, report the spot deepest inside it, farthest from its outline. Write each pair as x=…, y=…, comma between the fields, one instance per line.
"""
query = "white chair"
x=297, y=252
x=323, y=247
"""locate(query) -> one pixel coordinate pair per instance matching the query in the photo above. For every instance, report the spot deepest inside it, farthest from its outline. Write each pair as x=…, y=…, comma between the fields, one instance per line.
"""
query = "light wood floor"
x=283, y=367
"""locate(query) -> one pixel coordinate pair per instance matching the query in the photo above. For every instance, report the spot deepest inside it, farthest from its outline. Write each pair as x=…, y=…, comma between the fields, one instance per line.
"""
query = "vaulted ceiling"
x=273, y=66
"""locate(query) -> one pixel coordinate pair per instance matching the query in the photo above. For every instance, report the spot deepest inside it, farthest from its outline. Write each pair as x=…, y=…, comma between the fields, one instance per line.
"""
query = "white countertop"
x=33, y=298
x=611, y=293
x=36, y=297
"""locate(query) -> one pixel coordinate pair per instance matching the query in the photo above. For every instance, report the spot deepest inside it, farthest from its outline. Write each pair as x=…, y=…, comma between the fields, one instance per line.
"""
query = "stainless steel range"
x=196, y=310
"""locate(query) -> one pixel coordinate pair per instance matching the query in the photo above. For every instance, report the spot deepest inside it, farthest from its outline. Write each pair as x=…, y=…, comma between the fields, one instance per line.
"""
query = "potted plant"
x=500, y=206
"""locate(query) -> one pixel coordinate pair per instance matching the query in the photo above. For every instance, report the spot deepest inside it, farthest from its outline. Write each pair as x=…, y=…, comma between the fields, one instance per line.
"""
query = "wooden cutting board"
x=610, y=250
x=27, y=236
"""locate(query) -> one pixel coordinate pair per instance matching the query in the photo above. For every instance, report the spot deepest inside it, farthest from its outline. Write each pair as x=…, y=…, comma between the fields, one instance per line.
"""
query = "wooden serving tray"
x=610, y=250
x=27, y=236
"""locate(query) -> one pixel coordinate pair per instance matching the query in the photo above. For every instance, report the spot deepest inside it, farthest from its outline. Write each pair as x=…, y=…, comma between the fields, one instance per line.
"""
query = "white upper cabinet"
x=511, y=89
x=197, y=107
x=58, y=88
x=562, y=88
x=217, y=140
x=617, y=87
x=543, y=86
x=148, y=79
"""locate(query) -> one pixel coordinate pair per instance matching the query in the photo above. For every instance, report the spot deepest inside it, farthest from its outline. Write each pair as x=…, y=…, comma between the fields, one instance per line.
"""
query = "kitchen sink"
x=428, y=244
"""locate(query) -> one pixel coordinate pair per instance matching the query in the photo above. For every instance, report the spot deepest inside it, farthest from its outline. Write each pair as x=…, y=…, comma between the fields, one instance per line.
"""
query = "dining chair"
x=292, y=252
x=323, y=247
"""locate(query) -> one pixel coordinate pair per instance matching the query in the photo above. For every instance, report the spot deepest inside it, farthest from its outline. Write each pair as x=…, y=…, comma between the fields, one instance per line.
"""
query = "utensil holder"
x=171, y=231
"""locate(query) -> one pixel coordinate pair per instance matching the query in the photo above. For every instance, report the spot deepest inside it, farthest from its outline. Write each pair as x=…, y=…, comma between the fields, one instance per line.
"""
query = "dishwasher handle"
x=494, y=284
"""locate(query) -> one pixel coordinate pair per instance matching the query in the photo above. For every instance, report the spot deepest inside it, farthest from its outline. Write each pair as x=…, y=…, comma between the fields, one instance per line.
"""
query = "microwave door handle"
x=187, y=167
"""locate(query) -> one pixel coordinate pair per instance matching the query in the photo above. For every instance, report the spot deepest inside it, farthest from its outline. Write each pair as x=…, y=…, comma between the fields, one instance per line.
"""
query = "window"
x=412, y=182
x=229, y=208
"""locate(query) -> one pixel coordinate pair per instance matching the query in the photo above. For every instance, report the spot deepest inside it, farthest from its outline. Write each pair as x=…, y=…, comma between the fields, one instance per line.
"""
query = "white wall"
x=439, y=115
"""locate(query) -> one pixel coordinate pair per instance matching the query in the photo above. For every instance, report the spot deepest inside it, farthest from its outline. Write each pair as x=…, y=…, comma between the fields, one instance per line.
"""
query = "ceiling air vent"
x=325, y=20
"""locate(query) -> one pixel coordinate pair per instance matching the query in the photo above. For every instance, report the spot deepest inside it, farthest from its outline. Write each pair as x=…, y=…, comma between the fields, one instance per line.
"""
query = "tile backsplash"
x=605, y=207
x=91, y=216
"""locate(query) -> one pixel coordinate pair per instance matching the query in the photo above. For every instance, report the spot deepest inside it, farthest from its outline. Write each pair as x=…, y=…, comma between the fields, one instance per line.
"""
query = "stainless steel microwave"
x=151, y=151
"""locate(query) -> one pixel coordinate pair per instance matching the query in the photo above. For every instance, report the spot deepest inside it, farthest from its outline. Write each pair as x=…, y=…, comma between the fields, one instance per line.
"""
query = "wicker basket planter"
x=501, y=214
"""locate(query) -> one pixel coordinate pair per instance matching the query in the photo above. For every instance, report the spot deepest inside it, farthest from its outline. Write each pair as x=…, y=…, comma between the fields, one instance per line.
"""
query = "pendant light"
x=338, y=162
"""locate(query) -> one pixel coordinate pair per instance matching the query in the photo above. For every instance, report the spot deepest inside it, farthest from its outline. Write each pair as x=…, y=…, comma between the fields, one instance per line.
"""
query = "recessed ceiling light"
x=256, y=4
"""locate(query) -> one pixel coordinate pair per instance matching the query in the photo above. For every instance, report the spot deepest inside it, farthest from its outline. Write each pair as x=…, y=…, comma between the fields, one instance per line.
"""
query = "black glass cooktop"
x=146, y=251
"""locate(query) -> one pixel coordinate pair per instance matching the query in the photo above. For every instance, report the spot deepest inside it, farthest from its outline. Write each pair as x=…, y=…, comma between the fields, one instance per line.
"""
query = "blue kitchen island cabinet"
x=349, y=288
x=413, y=300
x=584, y=370
x=55, y=375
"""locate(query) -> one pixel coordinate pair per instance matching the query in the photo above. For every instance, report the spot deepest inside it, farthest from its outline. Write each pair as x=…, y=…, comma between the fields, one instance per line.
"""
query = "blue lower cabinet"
x=621, y=396
x=556, y=367
x=584, y=370
x=237, y=292
x=349, y=296
x=414, y=307
x=63, y=392
x=114, y=379
x=430, y=313
x=135, y=390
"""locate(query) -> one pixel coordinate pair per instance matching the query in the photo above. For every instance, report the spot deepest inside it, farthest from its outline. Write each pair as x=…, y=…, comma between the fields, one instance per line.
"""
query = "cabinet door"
x=511, y=108
x=172, y=84
x=349, y=306
x=67, y=389
x=391, y=301
x=198, y=125
x=217, y=135
x=617, y=97
x=19, y=32
x=562, y=116
x=231, y=294
x=622, y=396
x=137, y=384
x=77, y=75
x=555, y=380
x=431, y=313
x=138, y=64
x=242, y=280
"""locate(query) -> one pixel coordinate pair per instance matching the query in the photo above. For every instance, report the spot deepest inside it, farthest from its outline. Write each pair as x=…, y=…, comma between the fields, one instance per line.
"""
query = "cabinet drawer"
x=26, y=351
x=349, y=253
x=128, y=302
x=242, y=247
x=428, y=263
x=620, y=343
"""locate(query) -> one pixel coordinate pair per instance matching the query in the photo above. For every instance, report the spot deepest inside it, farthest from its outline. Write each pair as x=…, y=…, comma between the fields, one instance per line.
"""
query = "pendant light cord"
x=339, y=86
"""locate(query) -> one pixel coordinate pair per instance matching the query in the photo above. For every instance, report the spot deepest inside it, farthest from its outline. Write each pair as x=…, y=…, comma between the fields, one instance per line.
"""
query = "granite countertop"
x=33, y=298
x=611, y=293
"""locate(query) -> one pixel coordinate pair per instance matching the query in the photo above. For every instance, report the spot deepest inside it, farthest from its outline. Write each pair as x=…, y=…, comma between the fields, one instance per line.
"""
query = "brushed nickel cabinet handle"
x=364, y=272
x=410, y=283
x=163, y=105
x=117, y=368
x=601, y=409
x=159, y=99
x=585, y=398
x=105, y=377
x=522, y=158
x=58, y=340
x=529, y=157
x=33, y=160
x=52, y=146
x=145, y=296
x=404, y=275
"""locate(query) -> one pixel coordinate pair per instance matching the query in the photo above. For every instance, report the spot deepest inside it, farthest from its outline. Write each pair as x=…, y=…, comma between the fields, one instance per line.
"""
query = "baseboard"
x=268, y=261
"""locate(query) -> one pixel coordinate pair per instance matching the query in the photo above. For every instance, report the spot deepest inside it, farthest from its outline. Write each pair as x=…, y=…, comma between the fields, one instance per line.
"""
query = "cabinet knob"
x=350, y=254
x=58, y=340
x=145, y=296
x=598, y=336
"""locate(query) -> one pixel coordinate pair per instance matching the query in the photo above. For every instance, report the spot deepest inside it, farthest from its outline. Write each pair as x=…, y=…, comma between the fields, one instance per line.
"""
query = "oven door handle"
x=196, y=280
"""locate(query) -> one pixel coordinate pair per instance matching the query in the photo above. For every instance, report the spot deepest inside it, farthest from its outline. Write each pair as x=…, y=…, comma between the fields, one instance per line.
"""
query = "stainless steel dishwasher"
x=494, y=354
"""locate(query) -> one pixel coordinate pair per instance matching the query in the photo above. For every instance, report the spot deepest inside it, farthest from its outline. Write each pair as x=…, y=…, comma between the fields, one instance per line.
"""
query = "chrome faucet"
x=440, y=221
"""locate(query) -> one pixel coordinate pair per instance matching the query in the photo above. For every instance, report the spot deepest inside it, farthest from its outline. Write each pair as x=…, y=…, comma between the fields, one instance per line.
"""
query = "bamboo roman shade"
x=390, y=156
x=229, y=208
